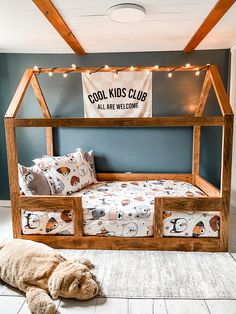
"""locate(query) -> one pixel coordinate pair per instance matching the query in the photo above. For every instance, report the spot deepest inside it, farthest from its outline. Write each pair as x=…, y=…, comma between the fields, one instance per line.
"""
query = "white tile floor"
x=16, y=304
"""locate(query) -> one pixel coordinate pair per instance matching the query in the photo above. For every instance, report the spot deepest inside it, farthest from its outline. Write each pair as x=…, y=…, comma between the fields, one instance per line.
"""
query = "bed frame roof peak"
x=212, y=78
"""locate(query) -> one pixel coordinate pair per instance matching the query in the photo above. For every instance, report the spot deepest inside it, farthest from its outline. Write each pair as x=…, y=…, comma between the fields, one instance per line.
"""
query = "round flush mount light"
x=126, y=13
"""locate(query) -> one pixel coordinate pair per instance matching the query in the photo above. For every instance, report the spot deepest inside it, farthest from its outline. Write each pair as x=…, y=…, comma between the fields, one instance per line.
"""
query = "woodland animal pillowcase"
x=89, y=157
x=66, y=174
x=32, y=181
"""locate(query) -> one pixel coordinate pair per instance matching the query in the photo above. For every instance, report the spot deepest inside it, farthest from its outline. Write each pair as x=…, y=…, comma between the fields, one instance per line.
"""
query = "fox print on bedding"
x=47, y=222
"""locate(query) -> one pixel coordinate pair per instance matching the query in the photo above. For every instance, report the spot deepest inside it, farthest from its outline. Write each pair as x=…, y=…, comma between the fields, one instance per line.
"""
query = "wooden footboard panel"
x=156, y=242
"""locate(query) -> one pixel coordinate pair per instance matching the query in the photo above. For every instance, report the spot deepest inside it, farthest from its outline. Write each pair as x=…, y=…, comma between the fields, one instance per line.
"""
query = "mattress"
x=126, y=209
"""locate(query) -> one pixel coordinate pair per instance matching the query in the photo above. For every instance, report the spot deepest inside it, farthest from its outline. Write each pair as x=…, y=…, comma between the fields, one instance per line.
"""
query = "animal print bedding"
x=44, y=222
x=191, y=224
x=125, y=209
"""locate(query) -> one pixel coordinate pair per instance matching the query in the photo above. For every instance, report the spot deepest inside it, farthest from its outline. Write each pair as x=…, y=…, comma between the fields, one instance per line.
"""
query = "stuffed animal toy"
x=38, y=270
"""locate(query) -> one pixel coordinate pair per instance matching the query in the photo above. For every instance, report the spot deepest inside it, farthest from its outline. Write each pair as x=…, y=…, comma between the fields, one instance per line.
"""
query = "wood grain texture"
x=78, y=216
x=197, y=129
x=219, y=10
x=196, y=152
x=192, y=204
x=19, y=94
x=158, y=218
x=207, y=187
x=204, y=94
x=143, y=176
x=12, y=159
x=46, y=203
x=220, y=91
x=120, y=243
x=42, y=103
x=227, y=144
x=121, y=122
x=53, y=16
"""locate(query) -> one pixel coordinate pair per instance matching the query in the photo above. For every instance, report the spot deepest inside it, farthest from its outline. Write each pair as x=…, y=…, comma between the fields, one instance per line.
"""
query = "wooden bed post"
x=13, y=174
x=227, y=145
x=41, y=100
x=197, y=129
x=226, y=164
x=11, y=144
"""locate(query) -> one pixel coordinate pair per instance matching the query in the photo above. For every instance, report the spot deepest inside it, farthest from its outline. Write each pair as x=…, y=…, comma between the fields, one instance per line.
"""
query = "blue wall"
x=117, y=150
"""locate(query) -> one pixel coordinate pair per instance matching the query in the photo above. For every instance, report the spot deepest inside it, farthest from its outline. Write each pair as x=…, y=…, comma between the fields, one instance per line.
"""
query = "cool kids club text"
x=117, y=93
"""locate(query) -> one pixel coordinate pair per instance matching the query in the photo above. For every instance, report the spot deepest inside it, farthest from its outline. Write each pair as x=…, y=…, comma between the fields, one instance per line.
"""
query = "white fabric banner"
x=129, y=94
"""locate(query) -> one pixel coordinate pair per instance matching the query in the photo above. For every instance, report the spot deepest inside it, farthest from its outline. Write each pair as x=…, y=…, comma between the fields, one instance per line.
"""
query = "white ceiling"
x=168, y=25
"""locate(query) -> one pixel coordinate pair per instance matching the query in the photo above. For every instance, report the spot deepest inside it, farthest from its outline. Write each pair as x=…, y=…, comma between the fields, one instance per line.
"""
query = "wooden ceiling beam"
x=51, y=13
x=219, y=10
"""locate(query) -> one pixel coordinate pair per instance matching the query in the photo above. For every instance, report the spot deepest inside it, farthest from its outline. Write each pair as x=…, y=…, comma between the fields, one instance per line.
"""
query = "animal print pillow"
x=32, y=181
x=66, y=174
x=89, y=157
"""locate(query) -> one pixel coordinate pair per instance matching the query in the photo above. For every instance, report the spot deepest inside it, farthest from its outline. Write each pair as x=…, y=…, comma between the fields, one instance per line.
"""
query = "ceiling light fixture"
x=126, y=13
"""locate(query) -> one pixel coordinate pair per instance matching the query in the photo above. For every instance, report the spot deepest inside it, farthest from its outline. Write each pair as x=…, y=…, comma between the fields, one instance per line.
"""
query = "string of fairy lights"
x=131, y=68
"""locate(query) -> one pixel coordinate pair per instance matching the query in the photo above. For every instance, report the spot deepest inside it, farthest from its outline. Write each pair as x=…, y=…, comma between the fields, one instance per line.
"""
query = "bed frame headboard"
x=212, y=78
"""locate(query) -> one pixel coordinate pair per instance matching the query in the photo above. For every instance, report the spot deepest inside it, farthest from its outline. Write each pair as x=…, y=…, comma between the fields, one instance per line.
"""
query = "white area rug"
x=154, y=274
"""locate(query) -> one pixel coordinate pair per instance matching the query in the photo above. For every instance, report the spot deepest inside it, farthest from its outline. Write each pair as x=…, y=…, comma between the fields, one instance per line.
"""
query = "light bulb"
x=115, y=74
x=73, y=66
x=197, y=73
x=169, y=74
x=156, y=67
x=65, y=75
x=50, y=73
x=131, y=68
x=187, y=65
x=36, y=68
x=106, y=67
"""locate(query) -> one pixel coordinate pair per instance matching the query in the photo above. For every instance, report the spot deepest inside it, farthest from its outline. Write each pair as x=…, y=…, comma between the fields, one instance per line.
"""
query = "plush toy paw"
x=85, y=262
x=39, y=301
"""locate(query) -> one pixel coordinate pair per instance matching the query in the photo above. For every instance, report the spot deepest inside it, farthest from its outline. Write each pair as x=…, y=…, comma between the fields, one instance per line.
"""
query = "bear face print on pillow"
x=66, y=174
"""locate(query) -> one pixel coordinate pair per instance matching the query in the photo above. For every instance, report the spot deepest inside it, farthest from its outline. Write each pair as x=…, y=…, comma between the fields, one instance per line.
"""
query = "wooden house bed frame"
x=217, y=200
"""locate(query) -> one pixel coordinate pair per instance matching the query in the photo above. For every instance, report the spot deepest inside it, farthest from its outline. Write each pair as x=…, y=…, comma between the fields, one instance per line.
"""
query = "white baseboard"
x=5, y=203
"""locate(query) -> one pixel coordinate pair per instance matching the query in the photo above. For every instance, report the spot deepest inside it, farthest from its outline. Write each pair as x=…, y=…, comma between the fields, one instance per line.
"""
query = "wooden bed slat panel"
x=119, y=243
x=144, y=176
x=192, y=204
x=121, y=122
x=46, y=203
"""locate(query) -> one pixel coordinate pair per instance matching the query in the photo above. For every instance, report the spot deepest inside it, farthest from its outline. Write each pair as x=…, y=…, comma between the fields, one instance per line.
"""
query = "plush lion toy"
x=37, y=270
